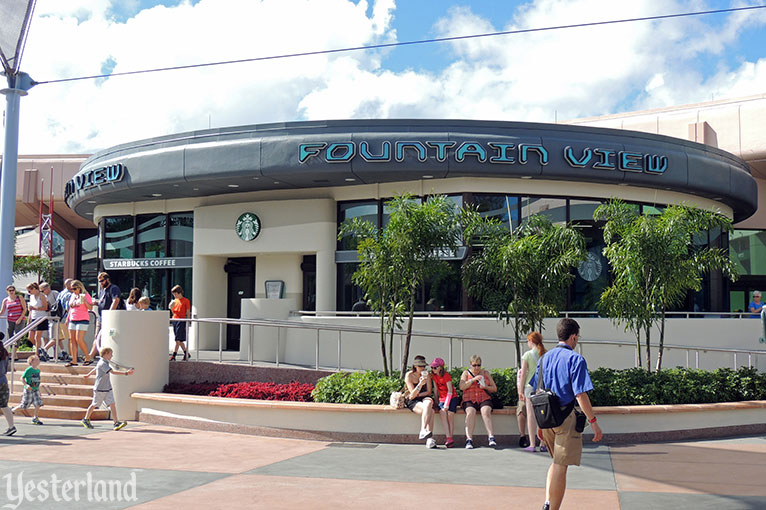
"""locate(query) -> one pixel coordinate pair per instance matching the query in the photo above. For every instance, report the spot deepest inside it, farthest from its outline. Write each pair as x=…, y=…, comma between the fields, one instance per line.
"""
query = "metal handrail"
x=341, y=328
x=13, y=341
x=565, y=313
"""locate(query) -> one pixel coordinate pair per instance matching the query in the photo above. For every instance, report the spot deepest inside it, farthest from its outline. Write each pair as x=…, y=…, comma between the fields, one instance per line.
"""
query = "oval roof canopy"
x=345, y=153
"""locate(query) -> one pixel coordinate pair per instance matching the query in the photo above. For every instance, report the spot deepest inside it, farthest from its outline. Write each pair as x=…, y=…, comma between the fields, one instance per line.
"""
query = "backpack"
x=55, y=309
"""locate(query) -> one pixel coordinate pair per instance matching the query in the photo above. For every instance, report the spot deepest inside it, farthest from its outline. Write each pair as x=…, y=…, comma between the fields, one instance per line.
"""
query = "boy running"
x=102, y=389
x=31, y=396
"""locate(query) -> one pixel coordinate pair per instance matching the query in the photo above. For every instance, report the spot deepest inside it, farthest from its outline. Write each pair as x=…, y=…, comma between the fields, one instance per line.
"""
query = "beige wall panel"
x=303, y=226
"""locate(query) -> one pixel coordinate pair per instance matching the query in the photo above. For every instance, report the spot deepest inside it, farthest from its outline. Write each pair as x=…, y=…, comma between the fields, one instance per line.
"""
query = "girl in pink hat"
x=447, y=397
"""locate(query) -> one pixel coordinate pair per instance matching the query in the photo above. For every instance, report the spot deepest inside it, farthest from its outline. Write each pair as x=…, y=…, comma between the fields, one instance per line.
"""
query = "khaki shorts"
x=521, y=408
x=564, y=443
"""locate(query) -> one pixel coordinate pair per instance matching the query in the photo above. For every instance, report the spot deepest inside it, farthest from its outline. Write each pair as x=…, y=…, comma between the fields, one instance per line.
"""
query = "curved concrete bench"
x=384, y=424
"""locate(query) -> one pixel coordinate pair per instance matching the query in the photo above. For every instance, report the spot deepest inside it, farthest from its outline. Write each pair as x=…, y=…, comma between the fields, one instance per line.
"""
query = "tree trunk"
x=406, y=353
x=391, y=341
x=648, y=331
x=518, y=342
x=383, y=339
x=662, y=341
x=638, y=348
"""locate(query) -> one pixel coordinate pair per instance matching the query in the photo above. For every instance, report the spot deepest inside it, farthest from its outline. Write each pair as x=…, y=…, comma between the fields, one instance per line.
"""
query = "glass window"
x=387, y=209
x=554, y=208
x=504, y=208
x=150, y=236
x=651, y=210
x=118, y=231
x=88, y=258
x=181, y=235
x=348, y=293
x=367, y=211
x=582, y=210
x=748, y=249
x=444, y=292
x=154, y=285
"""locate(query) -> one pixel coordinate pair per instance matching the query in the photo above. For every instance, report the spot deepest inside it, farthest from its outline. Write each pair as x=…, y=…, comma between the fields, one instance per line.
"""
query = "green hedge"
x=372, y=387
x=633, y=386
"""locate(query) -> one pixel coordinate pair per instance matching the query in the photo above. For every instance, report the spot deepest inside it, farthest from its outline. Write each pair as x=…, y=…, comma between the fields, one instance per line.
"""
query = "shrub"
x=295, y=392
x=612, y=387
x=369, y=387
x=372, y=387
x=636, y=386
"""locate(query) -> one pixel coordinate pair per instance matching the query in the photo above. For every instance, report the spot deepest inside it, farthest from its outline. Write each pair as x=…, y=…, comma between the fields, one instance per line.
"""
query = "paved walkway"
x=156, y=467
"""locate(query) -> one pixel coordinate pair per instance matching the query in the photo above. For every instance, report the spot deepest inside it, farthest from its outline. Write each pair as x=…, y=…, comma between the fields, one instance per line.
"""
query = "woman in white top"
x=132, y=302
x=528, y=366
x=38, y=307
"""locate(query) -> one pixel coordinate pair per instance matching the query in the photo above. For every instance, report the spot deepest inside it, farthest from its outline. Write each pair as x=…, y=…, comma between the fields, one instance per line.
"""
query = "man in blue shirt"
x=565, y=372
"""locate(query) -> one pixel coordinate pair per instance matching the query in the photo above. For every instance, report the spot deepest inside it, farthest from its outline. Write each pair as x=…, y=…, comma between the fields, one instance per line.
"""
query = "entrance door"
x=241, y=285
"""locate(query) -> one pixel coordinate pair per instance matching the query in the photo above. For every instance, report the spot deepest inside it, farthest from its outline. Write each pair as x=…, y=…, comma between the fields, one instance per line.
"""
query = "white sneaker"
x=424, y=434
x=431, y=443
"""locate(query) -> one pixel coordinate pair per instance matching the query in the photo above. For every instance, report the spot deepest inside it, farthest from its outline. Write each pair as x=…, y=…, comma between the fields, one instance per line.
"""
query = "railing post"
x=220, y=343
x=339, y=339
x=449, y=352
x=279, y=330
x=749, y=360
x=252, y=335
x=462, y=351
x=735, y=361
x=316, y=363
x=697, y=359
x=196, y=338
x=687, y=358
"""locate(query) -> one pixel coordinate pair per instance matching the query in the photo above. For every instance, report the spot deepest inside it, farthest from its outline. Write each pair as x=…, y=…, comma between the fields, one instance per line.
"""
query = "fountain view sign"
x=491, y=152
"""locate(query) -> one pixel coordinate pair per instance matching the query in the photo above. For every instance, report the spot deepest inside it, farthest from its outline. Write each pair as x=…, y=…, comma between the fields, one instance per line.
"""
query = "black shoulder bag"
x=546, y=406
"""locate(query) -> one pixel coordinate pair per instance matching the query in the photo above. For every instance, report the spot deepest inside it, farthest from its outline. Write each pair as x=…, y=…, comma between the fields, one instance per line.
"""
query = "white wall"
x=140, y=340
x=362, y=350
x=289, y=230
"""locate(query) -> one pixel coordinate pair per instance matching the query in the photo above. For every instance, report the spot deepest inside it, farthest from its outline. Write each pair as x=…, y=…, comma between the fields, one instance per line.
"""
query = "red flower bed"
x=296, y=392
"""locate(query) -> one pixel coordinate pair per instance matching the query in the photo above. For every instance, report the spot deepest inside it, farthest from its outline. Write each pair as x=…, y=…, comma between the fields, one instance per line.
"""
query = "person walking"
x=52, y=298
x=565, y=372
x=78, y=320
x=102, y=389
x=528, y=363
x=38, y=308
x=179, y=307
x=109, y=298
x=16, y=308
x=4, y=393
x=31, y=395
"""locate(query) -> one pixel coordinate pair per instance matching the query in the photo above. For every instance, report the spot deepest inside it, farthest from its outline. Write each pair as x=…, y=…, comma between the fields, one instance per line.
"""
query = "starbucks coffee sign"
x=248, y=226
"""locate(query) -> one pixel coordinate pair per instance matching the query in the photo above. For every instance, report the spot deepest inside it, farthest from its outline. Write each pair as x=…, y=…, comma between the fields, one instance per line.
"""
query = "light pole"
x=18, y=85
x=17, y=15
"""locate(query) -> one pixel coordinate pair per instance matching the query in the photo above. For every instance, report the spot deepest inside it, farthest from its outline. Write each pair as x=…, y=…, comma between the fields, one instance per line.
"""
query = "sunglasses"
x=475, y=364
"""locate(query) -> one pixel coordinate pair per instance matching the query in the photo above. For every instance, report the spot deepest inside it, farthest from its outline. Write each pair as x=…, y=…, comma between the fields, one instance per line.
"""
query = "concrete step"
x=83, y=390
x=60, y=412
x=78, y=401
x=60, y=379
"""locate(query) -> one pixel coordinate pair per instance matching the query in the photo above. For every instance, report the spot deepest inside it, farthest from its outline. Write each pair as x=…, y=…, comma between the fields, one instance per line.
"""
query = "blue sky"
x=560, y=74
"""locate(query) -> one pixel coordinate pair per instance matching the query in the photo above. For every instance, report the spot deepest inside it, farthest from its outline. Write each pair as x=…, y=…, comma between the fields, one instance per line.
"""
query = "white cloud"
x=535, y=76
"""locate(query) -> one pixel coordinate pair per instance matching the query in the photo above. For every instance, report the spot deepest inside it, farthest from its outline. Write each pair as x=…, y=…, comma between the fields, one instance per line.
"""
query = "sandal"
x=88, y=362
x=71, y=364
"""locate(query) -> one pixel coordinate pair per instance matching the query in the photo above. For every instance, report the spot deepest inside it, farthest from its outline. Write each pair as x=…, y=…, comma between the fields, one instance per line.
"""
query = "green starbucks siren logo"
x=248, y=226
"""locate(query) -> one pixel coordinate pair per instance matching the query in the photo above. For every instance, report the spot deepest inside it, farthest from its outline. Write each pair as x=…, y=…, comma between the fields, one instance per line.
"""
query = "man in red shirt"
x=179, y=307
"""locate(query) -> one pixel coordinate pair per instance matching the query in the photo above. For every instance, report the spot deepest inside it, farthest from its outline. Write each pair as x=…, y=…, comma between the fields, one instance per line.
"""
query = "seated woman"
x=477, y=384
x=447, y=398
x=420, y=390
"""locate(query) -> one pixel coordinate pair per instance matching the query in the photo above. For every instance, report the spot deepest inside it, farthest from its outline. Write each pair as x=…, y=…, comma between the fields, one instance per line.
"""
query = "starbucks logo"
x=248, y=226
